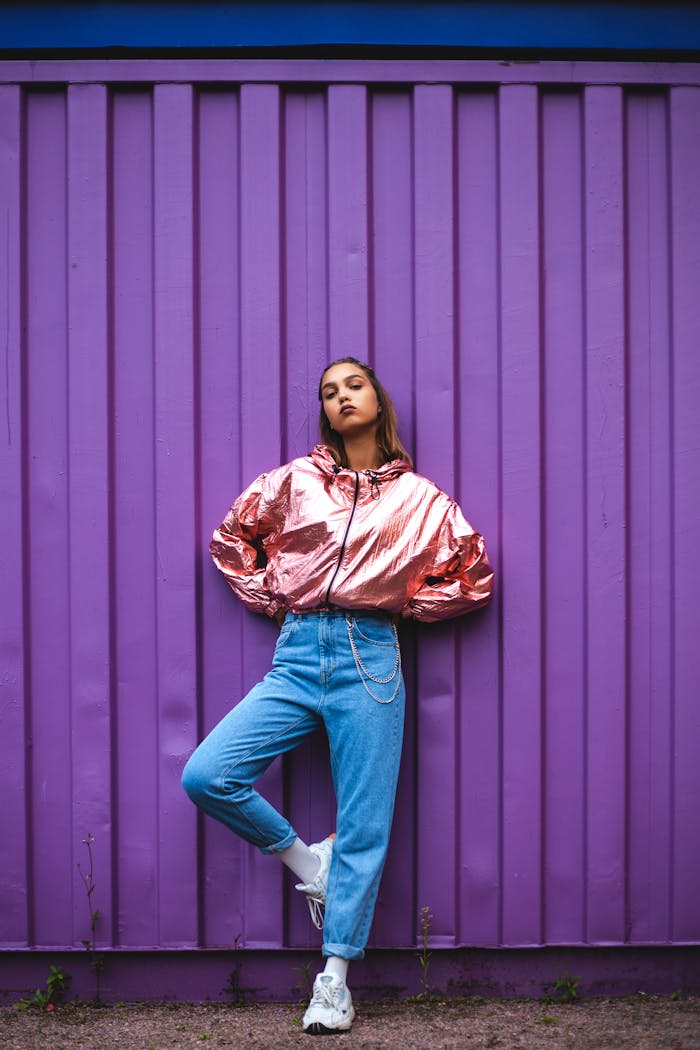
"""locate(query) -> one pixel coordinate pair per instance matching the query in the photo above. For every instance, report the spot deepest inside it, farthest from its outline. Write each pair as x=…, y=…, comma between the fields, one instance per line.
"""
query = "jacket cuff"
x=273, y=607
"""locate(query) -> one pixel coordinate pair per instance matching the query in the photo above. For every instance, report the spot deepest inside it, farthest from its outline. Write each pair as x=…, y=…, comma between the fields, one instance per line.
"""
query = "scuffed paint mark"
x=604, y=414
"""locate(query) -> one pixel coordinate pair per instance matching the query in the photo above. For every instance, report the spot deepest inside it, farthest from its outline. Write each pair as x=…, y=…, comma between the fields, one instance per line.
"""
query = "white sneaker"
x=316, y=891
x=330, y=1009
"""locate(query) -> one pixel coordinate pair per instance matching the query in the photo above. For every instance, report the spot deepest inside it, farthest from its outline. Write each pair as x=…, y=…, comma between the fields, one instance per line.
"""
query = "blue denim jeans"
x=340, y=670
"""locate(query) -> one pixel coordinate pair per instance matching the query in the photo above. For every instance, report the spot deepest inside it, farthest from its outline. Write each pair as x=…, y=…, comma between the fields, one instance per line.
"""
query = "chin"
x=350, y=424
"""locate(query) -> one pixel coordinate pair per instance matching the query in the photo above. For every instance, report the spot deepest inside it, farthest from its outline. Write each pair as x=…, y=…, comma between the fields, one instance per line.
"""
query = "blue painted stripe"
x=616, y=26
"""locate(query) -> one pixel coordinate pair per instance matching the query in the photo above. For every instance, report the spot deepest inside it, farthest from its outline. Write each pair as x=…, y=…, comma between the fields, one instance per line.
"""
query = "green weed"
x=97, y=962
x=305, y=983
x=564, y=989
x=426, y=919
x=46, y=999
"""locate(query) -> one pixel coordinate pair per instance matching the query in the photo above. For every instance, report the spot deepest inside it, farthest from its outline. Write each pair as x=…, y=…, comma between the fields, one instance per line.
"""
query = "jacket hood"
x=322, y=458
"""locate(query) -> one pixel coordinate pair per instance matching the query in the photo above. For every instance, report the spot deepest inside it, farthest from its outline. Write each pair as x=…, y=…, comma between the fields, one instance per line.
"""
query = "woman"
x=336, y=546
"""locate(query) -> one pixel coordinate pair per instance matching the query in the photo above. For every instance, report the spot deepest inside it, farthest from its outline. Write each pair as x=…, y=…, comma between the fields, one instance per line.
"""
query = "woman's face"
x=349, y=399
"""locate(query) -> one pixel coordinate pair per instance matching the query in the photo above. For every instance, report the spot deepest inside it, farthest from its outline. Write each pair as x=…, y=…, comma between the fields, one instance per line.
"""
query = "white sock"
x=338, y=966
x=301, y=860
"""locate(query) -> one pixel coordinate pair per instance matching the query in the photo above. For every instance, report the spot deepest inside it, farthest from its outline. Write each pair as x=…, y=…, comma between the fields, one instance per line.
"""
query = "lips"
x=347, y=408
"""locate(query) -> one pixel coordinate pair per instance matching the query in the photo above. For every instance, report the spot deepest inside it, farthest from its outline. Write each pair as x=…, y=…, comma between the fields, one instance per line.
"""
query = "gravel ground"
x=638, y=1023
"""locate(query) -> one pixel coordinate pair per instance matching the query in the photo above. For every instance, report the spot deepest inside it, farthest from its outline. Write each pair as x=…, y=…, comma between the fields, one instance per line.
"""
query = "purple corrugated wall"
x=515, y=248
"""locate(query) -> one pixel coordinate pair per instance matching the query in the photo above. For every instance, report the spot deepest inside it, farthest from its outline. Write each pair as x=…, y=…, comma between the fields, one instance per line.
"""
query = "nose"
x=343, y=397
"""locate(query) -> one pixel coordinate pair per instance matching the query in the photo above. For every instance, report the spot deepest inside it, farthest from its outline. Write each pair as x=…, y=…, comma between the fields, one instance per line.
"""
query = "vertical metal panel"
x=436, y=685
x=564, y=549
x=479, y=649
x=14, y=817
x=260, y=402
x=88, y=488
x=47, y=522
x=605, y=509
x=519, y=309
x=219, y=390
x=135, y=827
x=650, y=520
x=175, y=494
x=685, y=467
x=520, y=263
x=392, y=323
x=348, y=328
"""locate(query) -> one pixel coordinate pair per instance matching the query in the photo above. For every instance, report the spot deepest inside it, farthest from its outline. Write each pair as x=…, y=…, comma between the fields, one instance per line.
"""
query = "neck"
x=362, y=452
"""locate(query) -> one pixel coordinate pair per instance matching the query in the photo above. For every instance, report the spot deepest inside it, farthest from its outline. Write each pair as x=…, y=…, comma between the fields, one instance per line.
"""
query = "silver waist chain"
x=364, y=672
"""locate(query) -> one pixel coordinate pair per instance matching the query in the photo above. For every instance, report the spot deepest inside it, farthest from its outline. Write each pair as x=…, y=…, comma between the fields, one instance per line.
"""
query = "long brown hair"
x=388, y=441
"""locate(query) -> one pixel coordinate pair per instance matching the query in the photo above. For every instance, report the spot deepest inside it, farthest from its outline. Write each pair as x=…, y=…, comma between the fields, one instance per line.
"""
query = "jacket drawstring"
x=373, y=484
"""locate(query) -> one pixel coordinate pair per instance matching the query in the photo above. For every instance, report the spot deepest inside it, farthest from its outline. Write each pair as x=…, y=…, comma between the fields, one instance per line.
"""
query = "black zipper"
x=345, y=537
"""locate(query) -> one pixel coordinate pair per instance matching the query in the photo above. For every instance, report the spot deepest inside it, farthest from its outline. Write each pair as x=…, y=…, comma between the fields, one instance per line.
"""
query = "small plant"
x=424, y=956
x=239, y=994
x=305, y=984
x=47, y=999
x=678, y=995
x=233, y=987
x=97, y=963
x=564, y=989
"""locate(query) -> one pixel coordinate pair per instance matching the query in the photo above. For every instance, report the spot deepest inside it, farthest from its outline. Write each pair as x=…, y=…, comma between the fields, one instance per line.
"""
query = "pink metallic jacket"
x=310, y=535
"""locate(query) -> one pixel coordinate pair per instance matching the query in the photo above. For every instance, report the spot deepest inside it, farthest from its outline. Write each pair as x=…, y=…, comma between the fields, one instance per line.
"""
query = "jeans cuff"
x=284, y=843
x=343, y=951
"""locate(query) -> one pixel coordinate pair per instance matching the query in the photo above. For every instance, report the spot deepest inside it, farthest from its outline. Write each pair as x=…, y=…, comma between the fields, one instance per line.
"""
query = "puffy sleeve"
x=458, y=576
x=237, y=545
